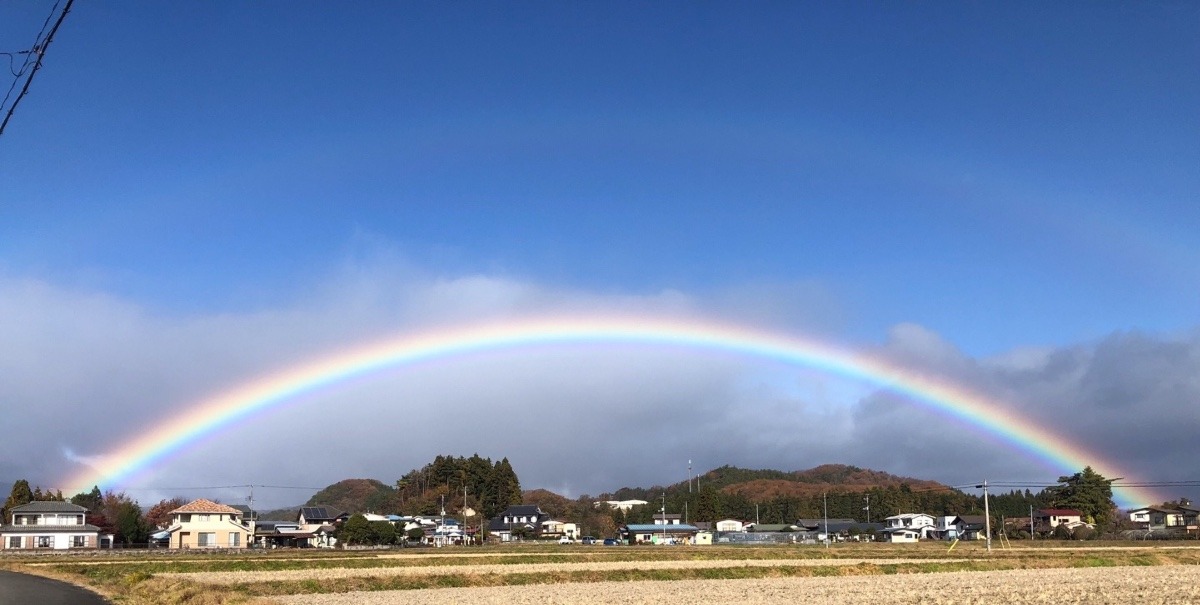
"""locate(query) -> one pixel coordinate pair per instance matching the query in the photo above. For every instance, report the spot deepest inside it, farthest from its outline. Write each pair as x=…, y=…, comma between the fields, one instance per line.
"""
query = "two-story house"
x=206, y=524
x=517, y=518
x=49, y=525
x=909, y=527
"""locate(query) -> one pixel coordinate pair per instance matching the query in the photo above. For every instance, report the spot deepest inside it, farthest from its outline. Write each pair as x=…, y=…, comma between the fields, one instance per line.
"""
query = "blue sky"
x=1005, y=175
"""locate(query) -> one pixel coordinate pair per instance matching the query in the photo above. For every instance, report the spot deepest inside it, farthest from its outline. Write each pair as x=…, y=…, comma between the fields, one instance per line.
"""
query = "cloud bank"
x=85, y=371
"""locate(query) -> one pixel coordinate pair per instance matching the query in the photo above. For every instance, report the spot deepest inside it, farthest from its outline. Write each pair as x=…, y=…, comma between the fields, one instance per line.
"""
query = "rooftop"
x=206, y=506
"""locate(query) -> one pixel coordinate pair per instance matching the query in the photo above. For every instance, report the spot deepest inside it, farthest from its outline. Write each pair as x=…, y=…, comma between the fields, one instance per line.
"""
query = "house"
x=667, y=519
x=517, y=519
x=1165, y=518
x=321, y=515
x=901, y=534
x=1050, y=518
x=921, y=523
x=972, y=527
x=288, y=534
x=725, y=525
x=48, y=525
x=659, y=533
x=207, y=524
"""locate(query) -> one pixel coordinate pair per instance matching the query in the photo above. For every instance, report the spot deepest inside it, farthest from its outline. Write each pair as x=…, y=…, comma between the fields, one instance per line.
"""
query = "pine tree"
x=20, y=495
x=1087, y=492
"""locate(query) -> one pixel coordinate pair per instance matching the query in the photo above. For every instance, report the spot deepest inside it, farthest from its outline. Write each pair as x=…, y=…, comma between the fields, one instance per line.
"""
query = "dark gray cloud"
x=86, y=372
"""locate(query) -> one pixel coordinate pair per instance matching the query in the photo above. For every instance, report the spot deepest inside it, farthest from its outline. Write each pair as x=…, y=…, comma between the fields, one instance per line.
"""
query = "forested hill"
x=355, y=495
x=765, y=484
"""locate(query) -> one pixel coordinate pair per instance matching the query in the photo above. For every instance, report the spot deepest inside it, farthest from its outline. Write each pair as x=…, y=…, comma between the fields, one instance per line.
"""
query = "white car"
x=566, y=540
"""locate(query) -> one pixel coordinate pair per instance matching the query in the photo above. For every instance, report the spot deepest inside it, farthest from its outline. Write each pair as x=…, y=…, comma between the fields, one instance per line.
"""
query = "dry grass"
x=536, y=574
x=1113, y=586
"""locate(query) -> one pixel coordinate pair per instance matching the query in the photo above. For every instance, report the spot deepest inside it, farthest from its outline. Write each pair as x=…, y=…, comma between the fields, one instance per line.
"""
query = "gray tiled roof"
x=47, y=529
x=48, y=506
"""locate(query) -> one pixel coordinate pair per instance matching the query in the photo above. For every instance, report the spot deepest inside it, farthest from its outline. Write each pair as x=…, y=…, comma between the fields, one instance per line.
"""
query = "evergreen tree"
x=1087, y=492
x=19, y=495
x=93, y=501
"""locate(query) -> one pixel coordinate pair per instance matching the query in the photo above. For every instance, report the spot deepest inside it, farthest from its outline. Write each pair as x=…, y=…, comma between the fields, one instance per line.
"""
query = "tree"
x=123, y=518
x=92, y=500
x=19, y=495
x=356, y=530
x=1087, y=492
x=159, y=515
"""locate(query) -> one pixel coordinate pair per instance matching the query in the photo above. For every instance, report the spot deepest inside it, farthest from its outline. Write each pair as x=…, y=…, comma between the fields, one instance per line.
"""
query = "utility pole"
x=825, y=500
x=689, y=475
x=868, y=509
x=987, y=515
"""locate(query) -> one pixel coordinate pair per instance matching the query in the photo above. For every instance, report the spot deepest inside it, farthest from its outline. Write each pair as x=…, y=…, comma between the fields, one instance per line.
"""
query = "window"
x=78, y=541
x=235, y=539
x=201, y=518
x=45, y=541
x=14, y=542
x=206, y=538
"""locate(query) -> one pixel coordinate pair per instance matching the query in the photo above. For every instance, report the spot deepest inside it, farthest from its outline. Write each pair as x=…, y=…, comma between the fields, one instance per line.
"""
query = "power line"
x=36, y=54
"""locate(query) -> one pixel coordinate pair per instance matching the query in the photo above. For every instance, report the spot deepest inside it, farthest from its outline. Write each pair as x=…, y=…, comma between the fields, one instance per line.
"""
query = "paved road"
x=22, y=589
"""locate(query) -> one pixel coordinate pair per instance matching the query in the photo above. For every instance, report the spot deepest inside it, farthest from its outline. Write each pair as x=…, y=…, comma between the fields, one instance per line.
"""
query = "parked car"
x=588, y=540
x=566, y=540
x=611, y=542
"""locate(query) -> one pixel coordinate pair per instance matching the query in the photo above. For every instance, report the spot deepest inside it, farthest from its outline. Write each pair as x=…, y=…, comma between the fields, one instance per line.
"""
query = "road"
x=22, y=589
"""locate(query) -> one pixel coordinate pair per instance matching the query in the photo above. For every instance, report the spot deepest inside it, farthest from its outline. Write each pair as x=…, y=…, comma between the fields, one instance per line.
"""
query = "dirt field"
x=242, y=577
x=1093, y=586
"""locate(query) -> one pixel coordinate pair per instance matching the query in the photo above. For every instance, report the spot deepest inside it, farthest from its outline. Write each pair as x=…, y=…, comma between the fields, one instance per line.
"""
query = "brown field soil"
x=1080, y=586
x=337, y=573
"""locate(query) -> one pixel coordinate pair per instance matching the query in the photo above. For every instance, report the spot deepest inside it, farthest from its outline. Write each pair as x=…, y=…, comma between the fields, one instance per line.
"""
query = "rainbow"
x=210, y=416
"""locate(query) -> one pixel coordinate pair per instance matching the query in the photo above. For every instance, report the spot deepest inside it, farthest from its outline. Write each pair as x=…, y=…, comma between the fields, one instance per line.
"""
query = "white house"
x=730, y=525
x=901, y=534
x=48, y=525
x=921, y=523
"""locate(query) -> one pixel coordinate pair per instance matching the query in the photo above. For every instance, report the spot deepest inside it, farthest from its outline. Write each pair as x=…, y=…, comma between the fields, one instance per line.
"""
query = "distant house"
x=1176, y=518
x=725, y=525
x=958, y=527
x=50, y=526
x=667, y=519
x=1050, y=518
x=660, y=533
x=206, y=524
x=516, y=519
x=901, y=534
x=924, y=525
x=321, y=515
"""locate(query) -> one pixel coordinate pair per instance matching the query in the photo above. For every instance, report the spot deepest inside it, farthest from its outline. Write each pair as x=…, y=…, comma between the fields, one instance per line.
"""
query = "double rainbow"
x=212, y=415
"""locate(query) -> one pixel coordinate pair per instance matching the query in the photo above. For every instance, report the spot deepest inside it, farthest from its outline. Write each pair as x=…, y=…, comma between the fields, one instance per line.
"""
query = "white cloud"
x=84, y=372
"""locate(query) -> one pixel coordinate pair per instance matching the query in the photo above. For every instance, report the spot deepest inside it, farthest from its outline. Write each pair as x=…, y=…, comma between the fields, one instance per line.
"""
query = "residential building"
x=1050, y=518
x=518, y=518
x=207, y=524
x=728, y=525
x=659, y=533
x=49, y=525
